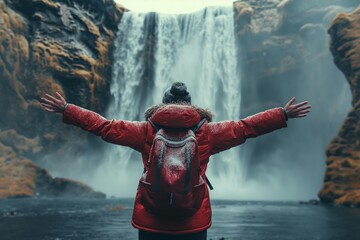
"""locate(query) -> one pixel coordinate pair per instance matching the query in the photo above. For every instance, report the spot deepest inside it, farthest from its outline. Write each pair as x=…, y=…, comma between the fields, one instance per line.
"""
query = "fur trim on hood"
x=204, y=113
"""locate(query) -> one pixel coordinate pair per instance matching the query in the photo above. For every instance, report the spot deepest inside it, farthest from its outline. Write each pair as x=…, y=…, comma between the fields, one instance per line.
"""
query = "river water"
x=48, y=219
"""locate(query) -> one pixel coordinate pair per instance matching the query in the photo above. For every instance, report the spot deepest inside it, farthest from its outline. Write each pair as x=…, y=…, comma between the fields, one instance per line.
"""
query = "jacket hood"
x=177, y=115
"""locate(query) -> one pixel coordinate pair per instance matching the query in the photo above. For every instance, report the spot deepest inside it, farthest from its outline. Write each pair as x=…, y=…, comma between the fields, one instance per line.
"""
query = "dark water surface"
x=36, y=219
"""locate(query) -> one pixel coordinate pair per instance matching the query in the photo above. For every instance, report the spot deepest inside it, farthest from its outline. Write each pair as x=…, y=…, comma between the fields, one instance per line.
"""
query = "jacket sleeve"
x=227, y=134
x=126, y=133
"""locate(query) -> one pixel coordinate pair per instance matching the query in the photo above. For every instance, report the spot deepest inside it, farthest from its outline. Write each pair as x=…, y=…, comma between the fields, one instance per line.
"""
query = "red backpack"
x=171, y=184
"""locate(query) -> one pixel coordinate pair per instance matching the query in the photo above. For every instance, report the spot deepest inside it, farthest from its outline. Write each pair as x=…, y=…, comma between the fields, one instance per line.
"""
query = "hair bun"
x=177, y=93
x=179, y=89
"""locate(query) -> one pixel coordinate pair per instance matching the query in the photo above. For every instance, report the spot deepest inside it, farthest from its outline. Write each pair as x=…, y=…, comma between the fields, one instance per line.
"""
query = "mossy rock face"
x=20, y=177
x=342, y=178
x=48, y=46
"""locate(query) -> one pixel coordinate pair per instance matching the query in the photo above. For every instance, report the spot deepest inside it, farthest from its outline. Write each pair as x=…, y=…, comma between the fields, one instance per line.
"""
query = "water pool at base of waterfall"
x=105, y=219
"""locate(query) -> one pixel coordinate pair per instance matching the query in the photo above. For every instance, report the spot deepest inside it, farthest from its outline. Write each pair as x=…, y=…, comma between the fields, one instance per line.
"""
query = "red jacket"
x=212, y=138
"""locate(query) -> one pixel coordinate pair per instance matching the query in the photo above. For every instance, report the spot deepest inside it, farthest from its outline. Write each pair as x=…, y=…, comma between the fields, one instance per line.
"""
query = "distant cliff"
x=342, y=179
x=285, y=46
x=48, y=46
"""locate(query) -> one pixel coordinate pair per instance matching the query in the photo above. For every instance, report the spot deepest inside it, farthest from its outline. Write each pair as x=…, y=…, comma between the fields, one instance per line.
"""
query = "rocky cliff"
x=342, y=179
x=285, y=49
x=48, y=46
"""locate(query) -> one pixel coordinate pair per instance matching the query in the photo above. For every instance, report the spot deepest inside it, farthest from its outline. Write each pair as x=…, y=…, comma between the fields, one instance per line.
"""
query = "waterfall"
x=198, y=49
x=153, y=50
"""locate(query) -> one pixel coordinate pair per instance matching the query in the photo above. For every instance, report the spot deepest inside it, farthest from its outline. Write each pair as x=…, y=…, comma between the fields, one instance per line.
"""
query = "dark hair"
x=177, y=93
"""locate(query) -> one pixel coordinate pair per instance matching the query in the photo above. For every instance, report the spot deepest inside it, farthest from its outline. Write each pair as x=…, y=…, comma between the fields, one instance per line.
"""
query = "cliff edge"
x=342, y=179
x=48, y=46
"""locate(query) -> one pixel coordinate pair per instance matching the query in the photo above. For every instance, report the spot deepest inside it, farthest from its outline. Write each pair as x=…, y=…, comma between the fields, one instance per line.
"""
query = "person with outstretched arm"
x=174, y=113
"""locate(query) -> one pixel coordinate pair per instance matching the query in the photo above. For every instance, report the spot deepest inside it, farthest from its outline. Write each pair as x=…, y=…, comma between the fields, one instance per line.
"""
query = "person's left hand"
x=53, y=104
x=297, y=110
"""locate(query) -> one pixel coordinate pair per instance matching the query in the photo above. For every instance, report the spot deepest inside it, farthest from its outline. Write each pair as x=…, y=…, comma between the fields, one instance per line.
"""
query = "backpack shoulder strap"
x=209, y=183
x=198, y=126
x=195, y=129
x=156, y=128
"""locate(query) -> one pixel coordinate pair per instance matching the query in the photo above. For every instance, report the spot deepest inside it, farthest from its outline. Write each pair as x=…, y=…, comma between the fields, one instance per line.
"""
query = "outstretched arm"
x=126, y=133
x=228, y=134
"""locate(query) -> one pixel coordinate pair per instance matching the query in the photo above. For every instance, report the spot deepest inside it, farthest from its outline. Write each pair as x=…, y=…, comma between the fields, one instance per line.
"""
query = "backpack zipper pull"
x=171, y=199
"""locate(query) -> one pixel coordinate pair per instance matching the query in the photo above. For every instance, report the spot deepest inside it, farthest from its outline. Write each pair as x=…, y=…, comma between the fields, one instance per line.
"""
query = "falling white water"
x=198, y=49
x=113, y=176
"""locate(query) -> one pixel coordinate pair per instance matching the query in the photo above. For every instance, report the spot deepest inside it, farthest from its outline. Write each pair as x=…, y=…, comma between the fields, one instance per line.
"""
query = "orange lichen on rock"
x=47, y=4
x=45, y=83
x=54, y=57
x=11, y=21
x=19, y=142
x=243, y=18
x=17, y=177
x=342, y=178
x=345, y=46
x=20, y=177
x=349, y=198
x=12, y=31
x=91, y=27
x=49, y=46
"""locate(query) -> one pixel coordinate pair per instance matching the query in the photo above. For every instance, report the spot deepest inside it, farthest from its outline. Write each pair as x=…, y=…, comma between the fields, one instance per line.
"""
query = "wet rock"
x=294, y=14
x=48, y=46
x=20, y=177
x=54, y=45
x=342, y=178
x=243, y=16
x=17, y=175
x=284, y=38
x=283, y=35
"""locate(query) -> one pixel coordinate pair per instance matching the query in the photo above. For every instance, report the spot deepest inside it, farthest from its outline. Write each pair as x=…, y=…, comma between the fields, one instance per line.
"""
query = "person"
x=175, y=111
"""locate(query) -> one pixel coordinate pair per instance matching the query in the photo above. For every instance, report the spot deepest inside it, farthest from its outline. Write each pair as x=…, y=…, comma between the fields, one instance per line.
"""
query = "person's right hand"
x=52, y=104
